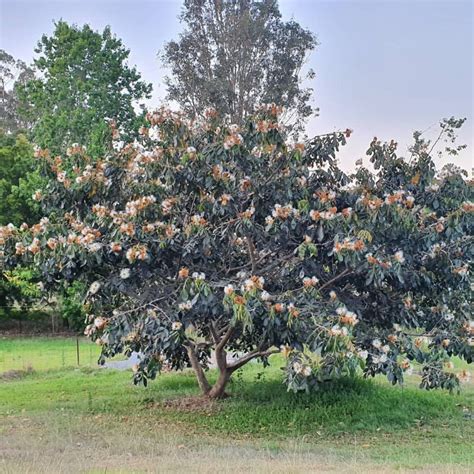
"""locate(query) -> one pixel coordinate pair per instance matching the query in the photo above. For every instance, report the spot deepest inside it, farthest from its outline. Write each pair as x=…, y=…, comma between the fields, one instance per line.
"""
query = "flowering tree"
x=205, y=239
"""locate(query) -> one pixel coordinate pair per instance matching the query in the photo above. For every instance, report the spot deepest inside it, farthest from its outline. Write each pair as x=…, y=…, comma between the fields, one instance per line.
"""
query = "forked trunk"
x=200, y=375
x=218, y=389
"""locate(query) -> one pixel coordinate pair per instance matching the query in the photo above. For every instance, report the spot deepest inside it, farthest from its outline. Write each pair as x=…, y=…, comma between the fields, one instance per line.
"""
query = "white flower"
x=191, y=150
x=397, y=327
x=95, y=247
x=94, y=288
x=297, y=367
x=363, y=354
x=449, y=316
x=332, y=295
x=199, y=276
x=176, y=326
x=385, y=348
x=377, y=343
x=186, y=306
x=266, y=296
x=399, y=257
x=228, y=290
x=341, y=310
x=306, y=371
x=125, y=273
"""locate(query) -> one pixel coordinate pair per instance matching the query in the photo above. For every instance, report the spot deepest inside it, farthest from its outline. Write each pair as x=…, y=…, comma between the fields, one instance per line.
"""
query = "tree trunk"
x=200, y=375
x=218, y=389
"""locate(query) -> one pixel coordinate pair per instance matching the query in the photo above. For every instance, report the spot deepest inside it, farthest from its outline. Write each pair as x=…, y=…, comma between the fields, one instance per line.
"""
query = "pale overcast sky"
x=383, y=68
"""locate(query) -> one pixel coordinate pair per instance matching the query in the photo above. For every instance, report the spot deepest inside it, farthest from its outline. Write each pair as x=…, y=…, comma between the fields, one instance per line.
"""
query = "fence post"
x=77, y=349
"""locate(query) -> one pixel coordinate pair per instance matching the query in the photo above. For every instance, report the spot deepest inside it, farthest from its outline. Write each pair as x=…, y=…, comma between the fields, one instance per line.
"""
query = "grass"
x=45, y=353
x=93, y=419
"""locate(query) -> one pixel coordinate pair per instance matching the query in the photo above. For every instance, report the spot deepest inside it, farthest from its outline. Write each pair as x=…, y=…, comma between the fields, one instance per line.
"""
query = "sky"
x=383, y=68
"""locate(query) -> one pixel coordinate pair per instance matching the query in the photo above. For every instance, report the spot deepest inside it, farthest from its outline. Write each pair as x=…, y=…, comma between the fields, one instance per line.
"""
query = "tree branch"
x=248, y=357
x=337, y=277
x=225, y=338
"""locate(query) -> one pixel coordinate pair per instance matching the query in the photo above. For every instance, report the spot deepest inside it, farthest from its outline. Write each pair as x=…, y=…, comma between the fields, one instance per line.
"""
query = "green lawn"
x=45, y=353
x=92, y=420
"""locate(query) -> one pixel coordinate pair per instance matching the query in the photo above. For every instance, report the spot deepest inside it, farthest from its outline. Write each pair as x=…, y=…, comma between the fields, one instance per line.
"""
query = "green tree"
x=19, y=179
x=13, y=74
x=203, y=238
x=84, y=80
x=234, y=54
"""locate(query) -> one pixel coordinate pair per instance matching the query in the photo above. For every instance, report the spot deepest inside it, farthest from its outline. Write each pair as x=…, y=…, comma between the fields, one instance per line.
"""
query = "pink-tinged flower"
x=37, y=195
x=20, y=249
x=34, y=247
x=285, y=350
x=254, y=283
x=183, y=273
x=309, y=282
x=347, y=212
x=100, y=323
x=464, y=376
x=462, y=271
x=90, y=330
x=225, y=199
x=228, y=290
x=115, y=247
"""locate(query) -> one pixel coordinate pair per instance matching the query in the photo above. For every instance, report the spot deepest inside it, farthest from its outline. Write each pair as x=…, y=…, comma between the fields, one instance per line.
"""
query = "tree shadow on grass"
x=344, y=406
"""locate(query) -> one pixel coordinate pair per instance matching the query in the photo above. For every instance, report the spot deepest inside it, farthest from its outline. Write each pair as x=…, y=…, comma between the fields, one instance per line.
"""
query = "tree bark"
x=200, y=375
x=218, y=389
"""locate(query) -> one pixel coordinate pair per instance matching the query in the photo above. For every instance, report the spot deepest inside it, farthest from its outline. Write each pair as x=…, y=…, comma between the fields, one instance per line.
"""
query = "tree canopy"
x=13, y=74
x=83, y=80
x=234, y=54
x=209, y=238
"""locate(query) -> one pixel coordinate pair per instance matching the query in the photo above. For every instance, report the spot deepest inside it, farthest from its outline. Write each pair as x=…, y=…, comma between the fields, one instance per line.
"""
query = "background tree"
x=19, y=179
x=213, y=239
x=234, y=54
x=84, y=80
x=13, y=74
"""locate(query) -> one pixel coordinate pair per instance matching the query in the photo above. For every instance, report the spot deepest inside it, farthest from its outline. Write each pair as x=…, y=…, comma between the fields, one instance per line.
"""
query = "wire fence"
x=46, y=353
